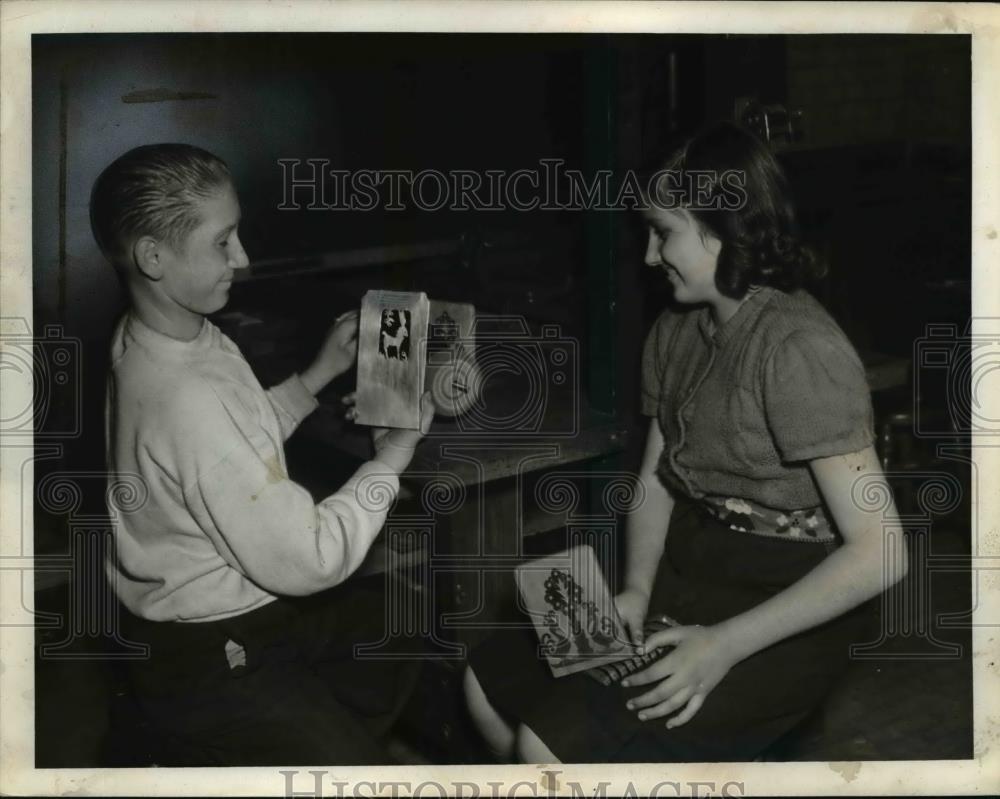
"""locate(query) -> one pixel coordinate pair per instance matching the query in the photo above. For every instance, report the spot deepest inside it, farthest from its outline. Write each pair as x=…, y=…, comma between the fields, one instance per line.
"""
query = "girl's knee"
x=475, y=696
x=532, y=749
x=496, y=732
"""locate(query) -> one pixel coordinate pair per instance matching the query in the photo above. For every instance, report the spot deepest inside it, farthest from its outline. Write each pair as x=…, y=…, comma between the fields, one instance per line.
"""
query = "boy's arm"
x=295, y=399
x=262, y=523
x=292, y=402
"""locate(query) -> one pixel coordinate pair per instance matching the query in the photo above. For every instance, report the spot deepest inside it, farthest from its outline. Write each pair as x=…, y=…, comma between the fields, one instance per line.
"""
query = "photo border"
x=20, y=18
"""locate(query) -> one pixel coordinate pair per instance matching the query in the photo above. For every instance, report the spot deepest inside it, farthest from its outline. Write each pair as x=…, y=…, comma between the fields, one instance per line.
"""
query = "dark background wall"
x=881, y=172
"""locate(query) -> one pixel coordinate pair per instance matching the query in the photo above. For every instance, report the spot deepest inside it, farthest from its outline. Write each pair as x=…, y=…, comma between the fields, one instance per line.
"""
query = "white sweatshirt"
x=223, y=528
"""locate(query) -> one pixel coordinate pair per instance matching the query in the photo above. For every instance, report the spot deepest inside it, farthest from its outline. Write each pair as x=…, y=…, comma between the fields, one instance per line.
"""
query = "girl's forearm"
x=854, y=573
x=645, y=534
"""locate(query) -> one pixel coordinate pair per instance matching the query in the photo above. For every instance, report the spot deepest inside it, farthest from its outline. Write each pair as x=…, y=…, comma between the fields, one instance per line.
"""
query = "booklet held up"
x=392, y=337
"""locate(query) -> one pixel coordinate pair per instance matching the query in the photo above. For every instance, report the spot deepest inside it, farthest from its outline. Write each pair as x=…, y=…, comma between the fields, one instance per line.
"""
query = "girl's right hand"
x=632, y=606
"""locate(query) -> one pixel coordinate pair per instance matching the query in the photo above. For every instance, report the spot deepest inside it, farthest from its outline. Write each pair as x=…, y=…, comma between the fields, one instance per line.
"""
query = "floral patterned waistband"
x=742, y=515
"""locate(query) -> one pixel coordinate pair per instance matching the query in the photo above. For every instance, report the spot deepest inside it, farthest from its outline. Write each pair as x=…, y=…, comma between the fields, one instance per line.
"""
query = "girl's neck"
x=725, y=308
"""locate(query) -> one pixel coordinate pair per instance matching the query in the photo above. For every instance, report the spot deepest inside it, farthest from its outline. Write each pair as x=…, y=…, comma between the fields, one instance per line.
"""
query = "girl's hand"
x=336, y=355
x=686, y=675
x=632, y=605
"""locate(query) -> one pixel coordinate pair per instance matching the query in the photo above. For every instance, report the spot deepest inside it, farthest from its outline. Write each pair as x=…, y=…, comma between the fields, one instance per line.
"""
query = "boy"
x=240, y=672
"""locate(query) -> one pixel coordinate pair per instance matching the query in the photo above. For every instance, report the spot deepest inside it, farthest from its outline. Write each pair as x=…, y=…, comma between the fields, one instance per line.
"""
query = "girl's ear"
x=146, y=256
x=712, y=244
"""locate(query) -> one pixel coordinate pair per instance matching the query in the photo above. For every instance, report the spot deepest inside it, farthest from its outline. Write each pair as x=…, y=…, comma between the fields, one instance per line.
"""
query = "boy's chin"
x=221, y=298
x=216, y=306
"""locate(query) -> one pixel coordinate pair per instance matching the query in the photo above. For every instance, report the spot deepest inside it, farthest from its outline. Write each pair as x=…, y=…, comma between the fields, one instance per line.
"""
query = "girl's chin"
x=682, y=294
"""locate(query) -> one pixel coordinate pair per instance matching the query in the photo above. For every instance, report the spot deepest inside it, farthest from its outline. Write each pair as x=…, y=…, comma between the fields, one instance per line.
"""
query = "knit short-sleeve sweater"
x=744, y=407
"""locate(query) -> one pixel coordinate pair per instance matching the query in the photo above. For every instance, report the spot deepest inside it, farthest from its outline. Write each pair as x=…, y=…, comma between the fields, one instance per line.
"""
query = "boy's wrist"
x=391, y=439
x=395, y=454
x=395, y=458
x=315, y=378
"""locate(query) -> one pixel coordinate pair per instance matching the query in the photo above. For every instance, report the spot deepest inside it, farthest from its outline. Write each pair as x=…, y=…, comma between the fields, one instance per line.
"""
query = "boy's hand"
x=336, y=355
x=394, y=446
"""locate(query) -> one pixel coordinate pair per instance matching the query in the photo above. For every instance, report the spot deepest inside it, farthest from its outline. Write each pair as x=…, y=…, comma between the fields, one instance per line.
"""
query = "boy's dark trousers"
x=290, y=690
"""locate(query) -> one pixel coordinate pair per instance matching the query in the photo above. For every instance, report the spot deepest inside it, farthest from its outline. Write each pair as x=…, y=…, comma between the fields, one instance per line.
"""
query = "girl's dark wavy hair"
x=759, y=234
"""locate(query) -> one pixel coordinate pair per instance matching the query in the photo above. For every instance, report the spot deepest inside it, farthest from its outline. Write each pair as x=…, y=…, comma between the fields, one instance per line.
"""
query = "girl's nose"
x=653, y=250
x=239, y=256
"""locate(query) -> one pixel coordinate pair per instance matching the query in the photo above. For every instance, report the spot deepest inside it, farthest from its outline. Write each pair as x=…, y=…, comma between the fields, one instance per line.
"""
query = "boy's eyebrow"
x=229, y=228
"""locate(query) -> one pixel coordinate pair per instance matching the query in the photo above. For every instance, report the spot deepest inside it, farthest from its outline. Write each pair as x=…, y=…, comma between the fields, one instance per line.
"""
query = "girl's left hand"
x=686, y=675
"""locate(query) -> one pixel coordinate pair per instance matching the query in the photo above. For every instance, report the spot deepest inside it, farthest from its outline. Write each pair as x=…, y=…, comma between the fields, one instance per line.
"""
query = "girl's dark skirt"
x=708, y=573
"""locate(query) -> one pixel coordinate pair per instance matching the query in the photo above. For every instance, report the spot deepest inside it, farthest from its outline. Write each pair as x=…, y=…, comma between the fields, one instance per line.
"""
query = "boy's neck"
x=174, y=322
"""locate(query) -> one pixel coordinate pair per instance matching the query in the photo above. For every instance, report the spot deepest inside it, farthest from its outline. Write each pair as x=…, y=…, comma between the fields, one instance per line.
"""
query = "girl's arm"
x=645, y=533
x=857, y=571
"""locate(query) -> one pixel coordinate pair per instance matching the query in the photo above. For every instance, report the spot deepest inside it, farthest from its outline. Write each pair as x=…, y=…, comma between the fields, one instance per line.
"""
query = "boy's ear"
x=146, y=256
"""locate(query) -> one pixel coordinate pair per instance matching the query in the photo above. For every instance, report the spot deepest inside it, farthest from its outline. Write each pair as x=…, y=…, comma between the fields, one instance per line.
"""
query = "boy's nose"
x=653, y=250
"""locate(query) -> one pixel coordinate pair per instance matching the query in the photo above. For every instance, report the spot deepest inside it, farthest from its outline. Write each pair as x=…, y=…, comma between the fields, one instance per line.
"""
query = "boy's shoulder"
x=165, y=374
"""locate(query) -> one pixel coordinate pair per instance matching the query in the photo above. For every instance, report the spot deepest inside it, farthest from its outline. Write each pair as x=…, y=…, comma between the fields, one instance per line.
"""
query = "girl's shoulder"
x=796, y=314
x=674, y=318
x=797, y=334
x=674, y=328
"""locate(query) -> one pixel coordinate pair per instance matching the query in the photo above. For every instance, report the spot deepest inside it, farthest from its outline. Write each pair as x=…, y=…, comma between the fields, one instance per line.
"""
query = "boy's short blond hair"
x=152, y=191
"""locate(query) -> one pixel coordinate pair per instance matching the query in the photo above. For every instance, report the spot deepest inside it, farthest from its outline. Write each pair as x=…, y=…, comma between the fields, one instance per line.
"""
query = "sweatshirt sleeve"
x=264, y=524
x=292, y=402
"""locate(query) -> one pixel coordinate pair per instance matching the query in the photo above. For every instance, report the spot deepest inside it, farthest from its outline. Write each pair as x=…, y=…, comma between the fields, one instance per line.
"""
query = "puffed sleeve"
x=816, y=397
x=653, y=365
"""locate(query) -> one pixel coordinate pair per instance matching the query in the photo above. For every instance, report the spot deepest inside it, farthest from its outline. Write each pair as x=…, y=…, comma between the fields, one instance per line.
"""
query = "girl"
x=761, y=426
